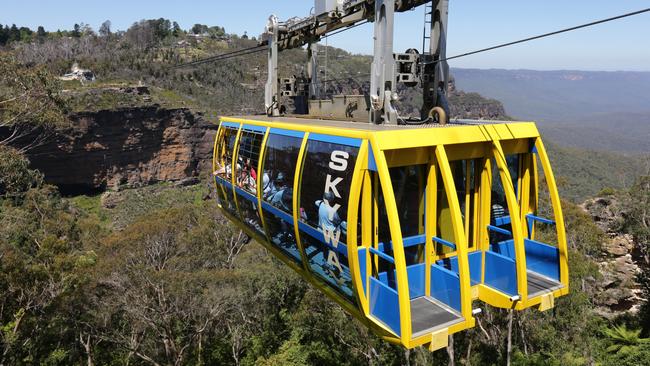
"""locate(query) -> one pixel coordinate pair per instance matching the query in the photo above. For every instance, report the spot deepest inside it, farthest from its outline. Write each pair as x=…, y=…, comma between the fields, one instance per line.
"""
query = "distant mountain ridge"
x=588, y=109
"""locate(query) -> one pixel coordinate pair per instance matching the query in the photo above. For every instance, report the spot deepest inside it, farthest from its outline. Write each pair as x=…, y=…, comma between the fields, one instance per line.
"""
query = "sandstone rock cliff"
x=618, y=292
x=128, y=147
x=473, y=105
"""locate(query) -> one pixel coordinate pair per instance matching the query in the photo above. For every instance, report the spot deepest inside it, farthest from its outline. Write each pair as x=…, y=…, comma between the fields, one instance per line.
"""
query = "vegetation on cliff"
x=29, y=102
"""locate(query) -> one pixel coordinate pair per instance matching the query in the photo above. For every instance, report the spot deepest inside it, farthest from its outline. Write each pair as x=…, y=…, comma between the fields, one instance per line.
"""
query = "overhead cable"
x=222, y=57
x=263, y=47
x=546, y=35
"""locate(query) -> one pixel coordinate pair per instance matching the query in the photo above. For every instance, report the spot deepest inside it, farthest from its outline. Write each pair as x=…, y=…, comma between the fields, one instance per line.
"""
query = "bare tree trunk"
x=407, y=355
x=19, y=319
x=469, y=353
x=450, y=351
x=523, y=334
x=372, y=354
x=199, y=361
x=509, y=348
x=87, y=344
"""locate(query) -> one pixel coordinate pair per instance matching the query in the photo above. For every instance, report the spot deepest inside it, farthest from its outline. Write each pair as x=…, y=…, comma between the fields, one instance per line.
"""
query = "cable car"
x=403, y=226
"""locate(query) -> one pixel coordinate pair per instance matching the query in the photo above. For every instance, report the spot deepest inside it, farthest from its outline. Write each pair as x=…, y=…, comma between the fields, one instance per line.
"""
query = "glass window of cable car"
x=444, y=228
x=248, y=157
x=499, y=211
x=409, y=186
x=225, y=148
x=385, y=270
x=326, y=178
x=223, y=167
x=382, y=287
x=498, y=193
x=466, y=183
x=276, y=186
x=513, y=168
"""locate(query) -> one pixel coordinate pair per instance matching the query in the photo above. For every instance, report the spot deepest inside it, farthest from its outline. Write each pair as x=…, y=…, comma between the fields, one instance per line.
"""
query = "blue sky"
x=621, y=45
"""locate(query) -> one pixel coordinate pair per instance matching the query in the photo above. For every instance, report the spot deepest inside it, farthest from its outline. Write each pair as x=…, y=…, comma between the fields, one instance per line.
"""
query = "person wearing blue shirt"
x=328, y=217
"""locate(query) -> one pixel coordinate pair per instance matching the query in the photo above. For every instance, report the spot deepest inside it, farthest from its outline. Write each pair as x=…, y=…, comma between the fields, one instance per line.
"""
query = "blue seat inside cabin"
x=475, y=262
x=542, y=262
x=427, y=312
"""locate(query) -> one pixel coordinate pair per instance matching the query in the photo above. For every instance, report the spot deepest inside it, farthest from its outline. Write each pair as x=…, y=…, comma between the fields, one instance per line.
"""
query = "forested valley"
x=154, y=275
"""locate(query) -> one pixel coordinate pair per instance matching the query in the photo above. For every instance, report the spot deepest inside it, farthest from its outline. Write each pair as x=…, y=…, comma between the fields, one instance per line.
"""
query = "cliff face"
x=473, y=105
x=127, y=147
x=618, y=291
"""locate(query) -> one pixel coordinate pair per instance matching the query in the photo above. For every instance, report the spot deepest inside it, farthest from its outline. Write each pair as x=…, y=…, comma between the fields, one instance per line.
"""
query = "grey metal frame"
x=338, y=14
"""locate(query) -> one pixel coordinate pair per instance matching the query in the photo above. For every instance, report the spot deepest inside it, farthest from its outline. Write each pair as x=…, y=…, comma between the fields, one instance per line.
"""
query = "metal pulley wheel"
x=438, y=115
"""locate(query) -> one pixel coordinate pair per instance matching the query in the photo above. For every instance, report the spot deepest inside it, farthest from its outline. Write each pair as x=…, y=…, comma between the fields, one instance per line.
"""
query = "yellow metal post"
x=524, y=191
x=214, y=149
x=367, y=229
x=459, y=233
x=353, y=217
x=233, y=170
x=557, y=212
x=477, y=205
x=375, y=218
x=398, y=248
x=515, y=219
x=486, y=208
x=468, y=206
x=260, y=179
x=215, y=153
x=297, y=180
x=534, y=200
x=431, y=221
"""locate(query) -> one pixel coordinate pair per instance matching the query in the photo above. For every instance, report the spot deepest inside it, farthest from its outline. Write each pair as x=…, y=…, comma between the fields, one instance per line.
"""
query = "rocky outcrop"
x=128, y=147
x=618, y=291
x=473, y=105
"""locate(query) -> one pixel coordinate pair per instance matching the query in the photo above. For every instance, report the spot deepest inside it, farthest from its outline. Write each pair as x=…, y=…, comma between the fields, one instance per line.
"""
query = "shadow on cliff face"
x=125, y=148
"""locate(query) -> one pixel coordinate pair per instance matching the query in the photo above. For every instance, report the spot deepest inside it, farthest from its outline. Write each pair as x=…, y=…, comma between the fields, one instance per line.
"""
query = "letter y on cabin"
x=338, y=162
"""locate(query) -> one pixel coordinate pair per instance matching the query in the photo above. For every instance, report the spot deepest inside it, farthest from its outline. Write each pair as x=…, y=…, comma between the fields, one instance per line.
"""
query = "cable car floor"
x=428, y=314
x=538, y=284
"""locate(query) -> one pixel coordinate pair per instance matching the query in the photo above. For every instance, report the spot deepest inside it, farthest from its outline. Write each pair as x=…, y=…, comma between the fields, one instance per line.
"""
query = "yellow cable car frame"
x=389, y=279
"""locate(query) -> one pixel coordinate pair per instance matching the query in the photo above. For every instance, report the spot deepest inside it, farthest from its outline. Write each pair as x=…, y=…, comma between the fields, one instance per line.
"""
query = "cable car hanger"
x=410, y=68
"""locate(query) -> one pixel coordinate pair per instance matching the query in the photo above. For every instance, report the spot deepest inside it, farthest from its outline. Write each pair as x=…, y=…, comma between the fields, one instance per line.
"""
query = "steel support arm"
x=435, y=74
x=382, y=76
x=271, y=97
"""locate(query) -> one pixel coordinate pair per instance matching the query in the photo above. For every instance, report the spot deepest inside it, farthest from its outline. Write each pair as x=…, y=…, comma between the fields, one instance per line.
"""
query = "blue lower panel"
x=416, y=278
x=502, y=221
x=227, y=199
x=362, y=268
x=506, y=248
x=384, y=305
x=248, y=211
x=475, y=265
x=445, y=286
x=281, y=235
x=543, y=259
x=327, y=262
x=501, y=273
x=383, y=278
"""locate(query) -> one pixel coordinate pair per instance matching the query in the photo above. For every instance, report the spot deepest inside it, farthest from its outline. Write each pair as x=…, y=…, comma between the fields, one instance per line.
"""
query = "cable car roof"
x=401, y=136
x=301, y=121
